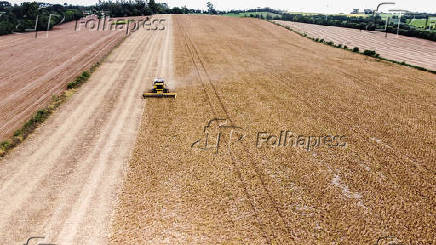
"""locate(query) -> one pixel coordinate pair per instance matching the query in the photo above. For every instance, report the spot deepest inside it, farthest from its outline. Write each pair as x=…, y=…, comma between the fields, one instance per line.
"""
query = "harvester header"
x=159, y=90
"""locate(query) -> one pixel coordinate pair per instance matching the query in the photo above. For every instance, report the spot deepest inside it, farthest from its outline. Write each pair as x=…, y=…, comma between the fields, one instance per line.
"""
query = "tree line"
x=19, y=18
x=138, y=8
x=269, y=10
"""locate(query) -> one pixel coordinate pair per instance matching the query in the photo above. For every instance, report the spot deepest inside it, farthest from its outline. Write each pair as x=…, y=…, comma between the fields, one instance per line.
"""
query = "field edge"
x=41, y=115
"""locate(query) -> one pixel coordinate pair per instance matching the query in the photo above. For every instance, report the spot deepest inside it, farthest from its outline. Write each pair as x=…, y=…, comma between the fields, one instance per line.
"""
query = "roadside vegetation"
x=41, y=115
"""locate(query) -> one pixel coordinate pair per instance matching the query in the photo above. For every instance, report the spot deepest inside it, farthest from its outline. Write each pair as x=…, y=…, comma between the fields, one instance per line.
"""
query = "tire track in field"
x=202, y=72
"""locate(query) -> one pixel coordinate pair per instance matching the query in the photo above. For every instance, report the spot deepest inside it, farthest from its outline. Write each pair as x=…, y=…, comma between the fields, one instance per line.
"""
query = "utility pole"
x=36, y=27
x=386, y=27
x=400, y=11
x=36, y=23
x=426, y=22
x=376, y=11
x=399, y=22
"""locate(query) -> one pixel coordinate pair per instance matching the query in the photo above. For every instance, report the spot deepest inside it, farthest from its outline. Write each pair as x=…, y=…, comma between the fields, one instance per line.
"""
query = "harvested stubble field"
x=414, y=51
x=264, y=78
x=33, y=70
x=62, y=182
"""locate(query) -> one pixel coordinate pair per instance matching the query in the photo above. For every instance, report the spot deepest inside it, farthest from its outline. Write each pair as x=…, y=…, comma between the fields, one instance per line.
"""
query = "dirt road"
x=62, y=182
x=260, y=78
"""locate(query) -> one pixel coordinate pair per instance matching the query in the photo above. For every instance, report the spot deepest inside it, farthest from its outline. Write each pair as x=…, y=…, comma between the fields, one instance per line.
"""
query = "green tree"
x=30, y=10
x=153, y=6
x=211, y=8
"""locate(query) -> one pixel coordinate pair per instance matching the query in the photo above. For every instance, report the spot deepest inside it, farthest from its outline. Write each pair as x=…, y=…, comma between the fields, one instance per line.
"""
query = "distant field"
x=420, y=23
x=120, y=22
x=414, y=51
x=358, y=15
x=247, y=14
x=303, y=13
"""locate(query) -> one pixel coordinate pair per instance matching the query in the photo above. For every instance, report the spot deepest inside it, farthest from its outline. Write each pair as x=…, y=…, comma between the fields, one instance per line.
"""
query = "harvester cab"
x=159, y=90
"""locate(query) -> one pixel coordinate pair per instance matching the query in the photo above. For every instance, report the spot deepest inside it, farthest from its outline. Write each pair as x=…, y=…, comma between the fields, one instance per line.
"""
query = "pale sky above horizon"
x=314, y=6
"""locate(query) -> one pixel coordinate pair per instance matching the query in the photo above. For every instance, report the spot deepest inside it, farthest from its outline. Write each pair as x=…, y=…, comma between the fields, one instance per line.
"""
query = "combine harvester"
x=159, y=90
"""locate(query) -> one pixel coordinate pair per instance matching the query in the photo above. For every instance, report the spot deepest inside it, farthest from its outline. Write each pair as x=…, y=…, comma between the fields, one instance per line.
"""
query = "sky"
x=312, y=6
